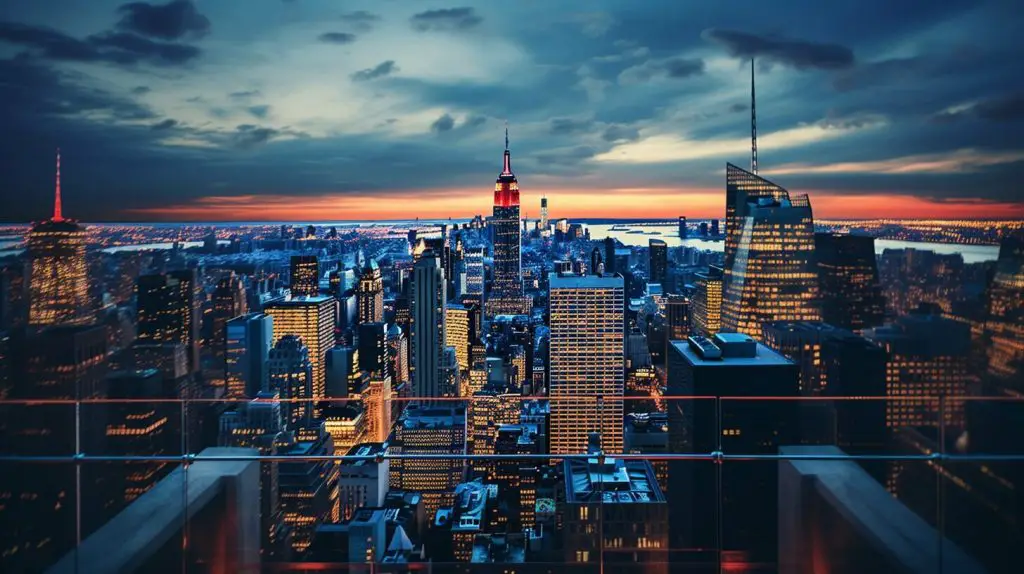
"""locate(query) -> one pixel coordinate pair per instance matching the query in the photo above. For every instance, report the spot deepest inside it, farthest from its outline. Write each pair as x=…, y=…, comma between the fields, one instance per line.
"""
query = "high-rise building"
x=248, y=341
x=851, y=296
x=769, y=255
x=59, y=283
x=744, y=497
x=586, y=373
x=615, y=512
x=707, y=302
x=474, y=261
x=135, y=427
x=435, y=430
x=363, y=481
x=714, y=228
x=543, y=223
x=373, y=349
x=658, y=261
x=428, y=303
x=305, y=276
x=312, y=320
x=229, y=301
x=506, y=295
x=291, y=376
x=677, y=317
x=1004, y=326
x=371, y=293
x=682, y=227
x=169, y=311
x=308, y=486
x=928, y=359
x=461, y=331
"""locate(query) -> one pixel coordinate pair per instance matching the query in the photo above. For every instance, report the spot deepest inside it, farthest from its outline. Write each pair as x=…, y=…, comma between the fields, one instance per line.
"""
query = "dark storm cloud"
x=337, y=38
x=446, y=19
x=32, y=90
x=912, y=69
x=164, y=125
x=566, y=126
x=112, y=47
x=444, y=123
x=474, y=121
x=619, y=133
x=170, y=21
x=566, y=157
x=379, y=71
x=247, y=136
x=139, y=90
x=675, y=68
x=361, y=20
x=999, y=109
x=736, y=108
x=799, y=54
x=260, y=111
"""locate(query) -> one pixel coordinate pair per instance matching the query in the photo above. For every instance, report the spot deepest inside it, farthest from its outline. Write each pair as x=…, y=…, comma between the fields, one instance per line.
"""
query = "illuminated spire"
x=507, y=168
x=57, y=216
x=753, y=122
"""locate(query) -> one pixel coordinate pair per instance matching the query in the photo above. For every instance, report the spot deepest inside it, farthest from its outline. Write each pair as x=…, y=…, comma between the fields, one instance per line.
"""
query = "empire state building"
x=506, y=297
x=59, y=282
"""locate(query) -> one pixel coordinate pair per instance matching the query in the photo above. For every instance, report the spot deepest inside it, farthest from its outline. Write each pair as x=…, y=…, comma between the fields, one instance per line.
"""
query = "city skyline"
x=911, y=119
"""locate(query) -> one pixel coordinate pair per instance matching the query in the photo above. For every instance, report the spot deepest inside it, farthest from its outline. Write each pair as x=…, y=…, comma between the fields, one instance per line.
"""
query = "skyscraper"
x=312, y=320
x=305, y=276
x=677, y=315
x=682, y=227
x=428, y=325
x=586, y=361
x=851, y=296
x=249, y=339
x=291, y=376
x=169, y=312
x=59, y=285
x=769, y=255
x=432, y=430
x=543, y=224
x=707, y=302
x=742, y=498
x=507, y=287
x=371, y=293
x=658, y=261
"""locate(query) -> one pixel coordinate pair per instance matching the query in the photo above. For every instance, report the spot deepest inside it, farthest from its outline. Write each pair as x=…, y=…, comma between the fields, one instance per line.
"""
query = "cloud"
x=566, y=156
x=260, y=111
x=169, y=21
x=446, y=19
x=361, y=20
x=337, y=38
x=799, y=54
x=595, y=24
x=909, y=70
x=164, y=125
x=673, y=68
x=619, y=133
x=959, y=161
x=382, y=69
x=247, y=136
x=473, y=121
x=442, y=124
x=668, y=148
x=566, y=126
x=113, y=47
x=139, y=90
x=997, y=109
x=736, y=108
x=244, y=95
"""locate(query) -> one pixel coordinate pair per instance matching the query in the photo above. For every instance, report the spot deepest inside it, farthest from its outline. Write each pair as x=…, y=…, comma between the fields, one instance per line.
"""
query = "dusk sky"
x=324, y=110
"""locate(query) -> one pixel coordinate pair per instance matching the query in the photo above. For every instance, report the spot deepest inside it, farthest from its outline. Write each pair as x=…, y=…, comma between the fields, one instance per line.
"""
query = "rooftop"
x=611, y=481
x=569, y=281
x=763, y=357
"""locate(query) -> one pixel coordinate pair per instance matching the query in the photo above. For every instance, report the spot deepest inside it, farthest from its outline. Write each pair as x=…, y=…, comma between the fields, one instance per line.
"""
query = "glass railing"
x=505, y=483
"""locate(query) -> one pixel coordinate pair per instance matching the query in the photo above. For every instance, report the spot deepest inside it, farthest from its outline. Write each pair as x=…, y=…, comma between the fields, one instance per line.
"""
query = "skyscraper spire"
x=753, y=122
x=57, y=216
x=507, y=168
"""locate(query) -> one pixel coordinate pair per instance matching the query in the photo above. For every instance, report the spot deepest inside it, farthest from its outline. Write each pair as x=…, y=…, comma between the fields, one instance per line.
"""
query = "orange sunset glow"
x=638, y=203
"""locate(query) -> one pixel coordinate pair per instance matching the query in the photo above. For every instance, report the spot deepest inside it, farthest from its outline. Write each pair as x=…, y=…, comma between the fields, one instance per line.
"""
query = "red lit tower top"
x=506, y=189
x=57, y=215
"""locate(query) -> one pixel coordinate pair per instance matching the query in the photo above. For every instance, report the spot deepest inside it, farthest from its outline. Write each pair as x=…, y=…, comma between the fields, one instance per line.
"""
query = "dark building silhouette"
x=742, y=499
x=304, y=278
x=682, y=227
x=850, y=294
x=168, y=311
x=658, y=261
